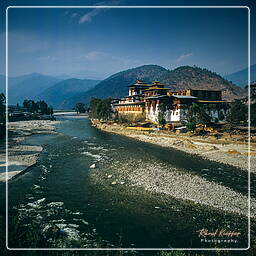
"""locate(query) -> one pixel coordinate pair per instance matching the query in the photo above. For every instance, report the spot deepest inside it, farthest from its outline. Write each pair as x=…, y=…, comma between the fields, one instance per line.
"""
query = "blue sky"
x=63, y=41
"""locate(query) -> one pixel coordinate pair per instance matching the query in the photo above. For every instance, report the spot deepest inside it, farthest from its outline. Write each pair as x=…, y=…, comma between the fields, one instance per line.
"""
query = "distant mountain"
x=84, y=74
x=183, y=77
x=241, y=77
x=116, y=85
x=57, y=94
x=201, y=78
x=28, y=86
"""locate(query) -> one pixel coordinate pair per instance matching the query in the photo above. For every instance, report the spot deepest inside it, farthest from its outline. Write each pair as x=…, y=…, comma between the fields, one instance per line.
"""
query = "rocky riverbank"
x=159, y=181
x=20, y=155
x=175, y=183
x=229, y=149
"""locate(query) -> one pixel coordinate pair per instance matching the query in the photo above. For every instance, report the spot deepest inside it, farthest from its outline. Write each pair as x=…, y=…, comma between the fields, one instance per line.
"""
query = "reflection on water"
x=57, y=198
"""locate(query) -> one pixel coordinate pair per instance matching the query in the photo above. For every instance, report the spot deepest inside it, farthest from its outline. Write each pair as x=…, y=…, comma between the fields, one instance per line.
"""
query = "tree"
x=197, y=114
x=101, y=108
x=36, y=107
x=80, y=107
x=161, y=114
x=253, y=114
x=93, y=107
x=253, y=91
x=191, y=126
x=238, y=112
x=104, y=109
x=31, y=106
x=162, y=108
x=51, y=111
x=221, y=116
x=253, y=103
x=44, y=107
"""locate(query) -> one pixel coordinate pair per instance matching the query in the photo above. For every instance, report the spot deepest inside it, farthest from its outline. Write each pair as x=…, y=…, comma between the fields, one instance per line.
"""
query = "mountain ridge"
x=182, y=77
x=203, y=79
x=26, y=86
x=241, y=77
x=63, y=90
x=116, y=84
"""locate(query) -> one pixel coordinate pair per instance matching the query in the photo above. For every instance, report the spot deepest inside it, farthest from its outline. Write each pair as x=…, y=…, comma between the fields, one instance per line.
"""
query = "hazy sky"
x=59, y=41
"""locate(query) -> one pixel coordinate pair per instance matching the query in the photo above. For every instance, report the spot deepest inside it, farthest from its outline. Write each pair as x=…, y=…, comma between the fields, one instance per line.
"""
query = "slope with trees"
x=57, y=94
x=183, y=77
x=115, y=86
x=200, y=78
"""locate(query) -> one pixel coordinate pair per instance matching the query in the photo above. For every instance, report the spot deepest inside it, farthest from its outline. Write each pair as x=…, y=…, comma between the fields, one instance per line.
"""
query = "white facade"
x=176, y=115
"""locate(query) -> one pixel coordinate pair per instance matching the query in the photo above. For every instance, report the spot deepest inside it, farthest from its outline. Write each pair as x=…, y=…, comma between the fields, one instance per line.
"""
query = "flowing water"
x=54, y=204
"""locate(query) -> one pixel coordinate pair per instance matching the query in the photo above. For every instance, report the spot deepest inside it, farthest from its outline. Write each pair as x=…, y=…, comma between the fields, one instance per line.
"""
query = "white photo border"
x=249, y=125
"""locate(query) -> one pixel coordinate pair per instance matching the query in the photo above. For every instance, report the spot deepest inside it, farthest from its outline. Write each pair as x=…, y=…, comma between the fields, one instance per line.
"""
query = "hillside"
x=198, y=78
x=58, y=93
x=241, y=77
x=115, y=86
x=180, y=78
x=28, y=86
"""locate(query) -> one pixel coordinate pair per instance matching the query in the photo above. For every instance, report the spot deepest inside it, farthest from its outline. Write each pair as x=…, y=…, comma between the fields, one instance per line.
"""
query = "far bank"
x=226, y=148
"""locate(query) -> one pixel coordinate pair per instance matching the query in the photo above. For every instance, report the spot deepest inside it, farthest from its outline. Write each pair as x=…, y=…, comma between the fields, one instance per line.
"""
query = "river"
x=55, y=204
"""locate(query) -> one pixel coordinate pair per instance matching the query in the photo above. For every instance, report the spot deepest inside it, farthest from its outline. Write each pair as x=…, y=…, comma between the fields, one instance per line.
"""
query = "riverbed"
x=93, y=189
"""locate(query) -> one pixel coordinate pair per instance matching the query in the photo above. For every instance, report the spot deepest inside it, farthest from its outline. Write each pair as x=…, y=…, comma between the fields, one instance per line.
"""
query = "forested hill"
x=115, y=86
x=57, y=94
x=183, y=77
x=201, y=78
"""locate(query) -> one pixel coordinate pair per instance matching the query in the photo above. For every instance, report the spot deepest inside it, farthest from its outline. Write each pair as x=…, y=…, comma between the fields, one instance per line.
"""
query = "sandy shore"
x=229, y=149
x=20, y=155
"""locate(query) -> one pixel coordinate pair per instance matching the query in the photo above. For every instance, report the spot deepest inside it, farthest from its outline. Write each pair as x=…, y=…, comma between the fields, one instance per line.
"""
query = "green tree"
x=31, y=106
x=93, y=107
x=197, y=114
x=253, y=91
x=80, y=107
x=104, y=110
x=253, y=114
x=44, y=108
x=161, y=114
x=221, y=115
x=238, y=112
x=162, y=108
x=101, y=108
x=51, y=111
x=36, y=107
x=191, y=126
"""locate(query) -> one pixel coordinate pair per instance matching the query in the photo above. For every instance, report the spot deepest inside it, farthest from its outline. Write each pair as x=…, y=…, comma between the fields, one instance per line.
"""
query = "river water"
x=55, y=204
